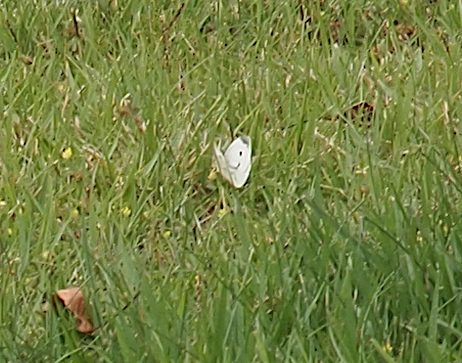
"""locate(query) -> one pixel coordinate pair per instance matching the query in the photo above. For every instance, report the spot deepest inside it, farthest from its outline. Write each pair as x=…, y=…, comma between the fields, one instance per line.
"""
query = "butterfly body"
x=236, y=162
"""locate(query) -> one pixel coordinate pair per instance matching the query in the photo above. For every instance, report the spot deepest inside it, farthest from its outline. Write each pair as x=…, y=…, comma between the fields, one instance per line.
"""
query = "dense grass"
x=345, y=244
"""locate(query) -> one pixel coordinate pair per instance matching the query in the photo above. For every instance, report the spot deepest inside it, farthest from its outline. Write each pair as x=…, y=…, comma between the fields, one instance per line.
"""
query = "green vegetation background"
x=345, y=243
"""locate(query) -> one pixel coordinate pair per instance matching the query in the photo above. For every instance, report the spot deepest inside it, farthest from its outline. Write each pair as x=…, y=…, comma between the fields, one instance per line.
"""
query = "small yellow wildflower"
x=223, y=211
x=419, y=237
x=388, y=348
x=167, y=233
x=66, y=153
x=10, y=231
x=445, y=228
x=61, y=87
x=213, y=175
x=126, y=211
x=75, y=212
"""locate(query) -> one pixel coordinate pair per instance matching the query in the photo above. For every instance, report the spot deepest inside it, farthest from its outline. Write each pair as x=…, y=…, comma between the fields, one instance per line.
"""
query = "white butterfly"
x=235, y=164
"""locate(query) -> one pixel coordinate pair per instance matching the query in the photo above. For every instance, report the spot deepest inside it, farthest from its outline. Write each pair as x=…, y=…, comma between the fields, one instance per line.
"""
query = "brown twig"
x=10, y=28
x=166, y=32
x=175, y=18
x=76, y=23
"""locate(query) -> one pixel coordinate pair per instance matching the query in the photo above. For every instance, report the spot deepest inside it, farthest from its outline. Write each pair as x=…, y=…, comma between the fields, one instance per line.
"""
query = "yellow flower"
x=388, y=348
x=167, y=233
x=126, y=211
x=213, y=175
x=10, y=231
x=66, y=153
x=223, y=211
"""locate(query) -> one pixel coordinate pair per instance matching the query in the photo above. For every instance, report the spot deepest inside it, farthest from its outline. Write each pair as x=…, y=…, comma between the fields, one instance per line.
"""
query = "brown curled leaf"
x=73, y=300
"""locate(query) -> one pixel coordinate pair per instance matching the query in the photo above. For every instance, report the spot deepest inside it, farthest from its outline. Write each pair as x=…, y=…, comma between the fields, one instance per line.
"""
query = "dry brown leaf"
x=404, y=31
x=26, y=60
x=361, y=112
x=73, y=300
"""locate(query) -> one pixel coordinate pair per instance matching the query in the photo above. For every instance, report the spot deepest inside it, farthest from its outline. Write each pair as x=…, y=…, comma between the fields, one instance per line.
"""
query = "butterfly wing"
x=221, y=163
x=238, y=160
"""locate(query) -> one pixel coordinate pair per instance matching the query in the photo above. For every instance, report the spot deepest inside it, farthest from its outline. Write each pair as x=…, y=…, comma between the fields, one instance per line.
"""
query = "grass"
x=345, y=243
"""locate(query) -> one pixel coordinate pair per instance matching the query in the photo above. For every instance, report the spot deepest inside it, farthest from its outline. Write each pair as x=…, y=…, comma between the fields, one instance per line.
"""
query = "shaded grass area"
x=343, y=246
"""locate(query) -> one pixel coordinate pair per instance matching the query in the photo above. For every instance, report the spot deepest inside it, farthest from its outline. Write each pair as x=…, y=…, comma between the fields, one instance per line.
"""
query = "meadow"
x=343, y=246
